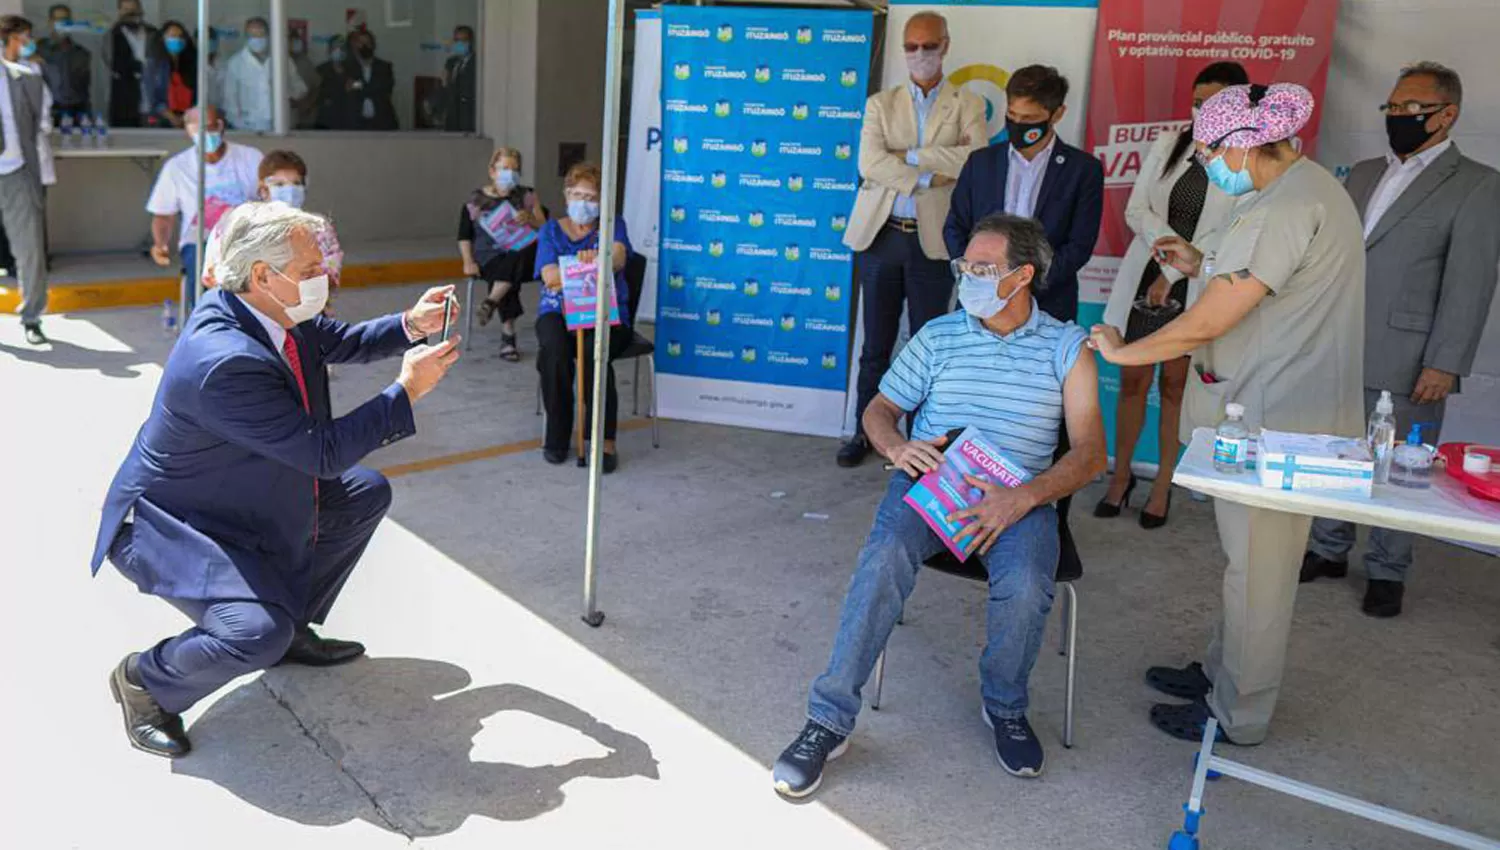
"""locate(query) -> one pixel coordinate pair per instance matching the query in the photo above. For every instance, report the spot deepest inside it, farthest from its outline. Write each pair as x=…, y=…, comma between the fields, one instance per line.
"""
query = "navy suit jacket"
x=220, y=478
x=1069, y=206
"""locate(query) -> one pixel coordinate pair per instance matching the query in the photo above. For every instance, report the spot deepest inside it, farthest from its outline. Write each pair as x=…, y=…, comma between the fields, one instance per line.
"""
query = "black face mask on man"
x=1023, y=135
x=1407, y=133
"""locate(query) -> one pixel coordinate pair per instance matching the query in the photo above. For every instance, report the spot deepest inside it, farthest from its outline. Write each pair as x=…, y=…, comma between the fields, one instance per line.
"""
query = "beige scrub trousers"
x=1296, y=364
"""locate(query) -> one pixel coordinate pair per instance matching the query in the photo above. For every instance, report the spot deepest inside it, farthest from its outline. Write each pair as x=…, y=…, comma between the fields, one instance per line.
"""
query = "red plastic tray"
x=1486, y=486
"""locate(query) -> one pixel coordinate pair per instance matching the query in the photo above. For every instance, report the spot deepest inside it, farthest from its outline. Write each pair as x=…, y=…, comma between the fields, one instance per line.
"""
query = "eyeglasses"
x=983, y=271
x=574, y=195
x=930, y=46
x=1411, y=107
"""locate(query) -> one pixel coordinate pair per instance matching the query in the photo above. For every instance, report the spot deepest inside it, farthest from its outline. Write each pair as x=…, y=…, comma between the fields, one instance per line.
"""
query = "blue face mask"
x=460, y=48
x=211, y=142
x=1232, y=183
x=175, y=44
x=583, y=212
x=980, y=296
x=258, y=43
x=289, y=194
x=505, y=180
x=28, y=50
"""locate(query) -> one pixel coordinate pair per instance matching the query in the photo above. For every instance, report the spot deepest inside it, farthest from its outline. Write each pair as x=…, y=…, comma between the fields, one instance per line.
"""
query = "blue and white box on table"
x=1288, y=461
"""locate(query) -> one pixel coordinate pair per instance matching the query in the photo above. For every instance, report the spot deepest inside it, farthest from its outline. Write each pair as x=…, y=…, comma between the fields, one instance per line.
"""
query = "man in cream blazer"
x=914, y=142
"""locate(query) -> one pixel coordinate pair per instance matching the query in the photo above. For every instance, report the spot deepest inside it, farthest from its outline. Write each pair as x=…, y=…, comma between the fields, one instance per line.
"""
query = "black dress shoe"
x=1383, y=597
x=1104, y=510
x=1315, y=566
x=611, y=462
x=307, y=648
x=854, y=452
x=35, y=336
x=556, y=457
x=150, y=728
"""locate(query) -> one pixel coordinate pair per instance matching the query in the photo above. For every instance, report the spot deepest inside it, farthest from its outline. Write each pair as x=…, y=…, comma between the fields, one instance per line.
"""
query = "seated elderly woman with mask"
x=1279, y=329
x=576, y=235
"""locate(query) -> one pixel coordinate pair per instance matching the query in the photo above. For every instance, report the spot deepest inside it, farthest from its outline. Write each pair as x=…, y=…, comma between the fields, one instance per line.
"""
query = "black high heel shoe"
x=1150, y=521
x=1104, y=510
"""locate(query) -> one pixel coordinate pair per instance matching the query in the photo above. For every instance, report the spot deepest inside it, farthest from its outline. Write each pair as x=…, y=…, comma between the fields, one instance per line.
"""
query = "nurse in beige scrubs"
x=1279, y=328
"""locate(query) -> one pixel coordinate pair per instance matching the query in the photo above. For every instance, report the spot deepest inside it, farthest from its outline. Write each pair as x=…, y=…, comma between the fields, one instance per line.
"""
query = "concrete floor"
x=488, y=713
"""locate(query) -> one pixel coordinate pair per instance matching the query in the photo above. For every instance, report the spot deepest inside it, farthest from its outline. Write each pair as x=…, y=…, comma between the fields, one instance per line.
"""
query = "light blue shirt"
x=906, y=205
x=957, y=373
x=1023, y=180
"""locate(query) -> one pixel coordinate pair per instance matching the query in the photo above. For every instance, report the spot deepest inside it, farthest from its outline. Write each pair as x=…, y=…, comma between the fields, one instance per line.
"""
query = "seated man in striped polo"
x=1005, y=367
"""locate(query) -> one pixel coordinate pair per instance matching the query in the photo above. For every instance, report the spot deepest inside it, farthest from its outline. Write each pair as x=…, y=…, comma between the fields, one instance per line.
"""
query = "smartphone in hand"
x=449, y=305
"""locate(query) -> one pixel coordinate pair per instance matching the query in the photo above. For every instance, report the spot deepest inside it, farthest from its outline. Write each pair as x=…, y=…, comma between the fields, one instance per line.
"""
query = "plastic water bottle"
x=1232, y=441
x=169, y=317
x=101, y=131
x=85, y=131
x=65, y=129
x=1411, y=462
x=1382, y=436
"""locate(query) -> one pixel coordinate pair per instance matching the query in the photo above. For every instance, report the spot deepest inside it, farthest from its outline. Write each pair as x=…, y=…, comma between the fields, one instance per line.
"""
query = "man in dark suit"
x=371, y=82
x=240, y=502
x=459, y=83
x=126, y=47
x=1431, y=248
x=1037, y=175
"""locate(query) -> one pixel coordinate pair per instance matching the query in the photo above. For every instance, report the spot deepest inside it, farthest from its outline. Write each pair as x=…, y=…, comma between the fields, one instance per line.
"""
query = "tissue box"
x=1289, y=461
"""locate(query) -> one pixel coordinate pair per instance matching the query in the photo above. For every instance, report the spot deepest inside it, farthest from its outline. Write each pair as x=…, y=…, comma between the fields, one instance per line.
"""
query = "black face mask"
x=1025, y=135
x=1408, y=132
x=365, y=51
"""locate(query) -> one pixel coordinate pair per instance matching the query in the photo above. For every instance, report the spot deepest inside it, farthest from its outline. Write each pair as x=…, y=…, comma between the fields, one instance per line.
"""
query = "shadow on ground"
x=65, y=355
x=412, y=718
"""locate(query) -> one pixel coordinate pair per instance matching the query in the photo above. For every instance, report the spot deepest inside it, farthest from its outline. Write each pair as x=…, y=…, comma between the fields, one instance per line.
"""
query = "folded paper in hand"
x=943, y=491
x=581, y=294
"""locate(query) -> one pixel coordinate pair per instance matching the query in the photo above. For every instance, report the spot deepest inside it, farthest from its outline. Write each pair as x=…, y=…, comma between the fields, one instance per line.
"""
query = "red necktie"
x=294, y=360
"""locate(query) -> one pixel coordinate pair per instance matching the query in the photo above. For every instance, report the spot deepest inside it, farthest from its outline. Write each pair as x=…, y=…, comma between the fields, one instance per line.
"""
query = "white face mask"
x=924, y=64
x=313, y=293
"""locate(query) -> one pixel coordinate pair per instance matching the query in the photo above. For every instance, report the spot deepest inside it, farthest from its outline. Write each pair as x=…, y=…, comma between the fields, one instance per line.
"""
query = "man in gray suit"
x=25, y=120
x=1433, y=250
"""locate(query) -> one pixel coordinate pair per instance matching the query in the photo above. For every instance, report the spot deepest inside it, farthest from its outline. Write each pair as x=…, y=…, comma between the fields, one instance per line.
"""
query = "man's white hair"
x=260, y=232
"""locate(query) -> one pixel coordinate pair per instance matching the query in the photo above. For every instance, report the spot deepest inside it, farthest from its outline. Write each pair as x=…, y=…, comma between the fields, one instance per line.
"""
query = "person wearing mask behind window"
x=370, y=83
x=125, y=55
x=497, y=241
x=459, y=82
x=333, y=88
x=247, y=82
x=172, y=71
x=304, y=108
x=67, y=66
x=1172, y=195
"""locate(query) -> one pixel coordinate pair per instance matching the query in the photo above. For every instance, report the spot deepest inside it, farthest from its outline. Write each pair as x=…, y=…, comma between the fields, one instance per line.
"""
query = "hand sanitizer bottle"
x=1232, y=441
x=1382, y=436
x=1411, y=463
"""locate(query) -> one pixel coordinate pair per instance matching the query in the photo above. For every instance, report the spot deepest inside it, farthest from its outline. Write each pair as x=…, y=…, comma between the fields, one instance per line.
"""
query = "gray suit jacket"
x=28, y=103
x=1431, y=267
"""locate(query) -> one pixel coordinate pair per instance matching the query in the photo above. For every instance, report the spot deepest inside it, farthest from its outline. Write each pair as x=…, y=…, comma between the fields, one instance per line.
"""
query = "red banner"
x=1146, y=54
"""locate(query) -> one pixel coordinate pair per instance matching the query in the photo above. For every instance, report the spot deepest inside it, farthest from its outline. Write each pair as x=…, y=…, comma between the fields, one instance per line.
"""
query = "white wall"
x=509, y=42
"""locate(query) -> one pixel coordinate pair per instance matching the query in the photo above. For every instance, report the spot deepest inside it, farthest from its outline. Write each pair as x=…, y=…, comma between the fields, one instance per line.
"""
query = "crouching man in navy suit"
x=240, y=502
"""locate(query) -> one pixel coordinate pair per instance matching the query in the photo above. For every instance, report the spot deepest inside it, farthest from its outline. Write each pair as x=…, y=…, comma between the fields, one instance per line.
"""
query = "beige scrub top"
x=1296, y=362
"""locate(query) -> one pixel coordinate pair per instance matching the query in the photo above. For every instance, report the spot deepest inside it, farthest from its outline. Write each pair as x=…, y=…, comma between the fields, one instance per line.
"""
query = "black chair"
x=640, y=347
x=974, y=570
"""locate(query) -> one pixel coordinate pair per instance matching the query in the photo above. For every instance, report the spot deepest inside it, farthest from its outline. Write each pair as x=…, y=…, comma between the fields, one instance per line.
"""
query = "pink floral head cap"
x=1249, y=116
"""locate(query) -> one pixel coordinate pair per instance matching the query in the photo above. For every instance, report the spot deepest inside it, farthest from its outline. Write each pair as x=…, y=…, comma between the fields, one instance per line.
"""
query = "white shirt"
x=136, y=38
x=1023, y=180
x=12, y=155
x=1397, y=178
x=274, y=330
x=247, y=92
x=231, y=182
x=367, y=106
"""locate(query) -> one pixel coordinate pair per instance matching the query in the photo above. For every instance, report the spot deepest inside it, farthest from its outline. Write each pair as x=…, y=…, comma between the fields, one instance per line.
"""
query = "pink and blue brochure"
x=943, y=491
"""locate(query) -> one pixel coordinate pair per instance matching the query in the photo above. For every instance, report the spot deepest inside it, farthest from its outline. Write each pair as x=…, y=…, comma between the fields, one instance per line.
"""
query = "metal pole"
x=280, y=56
x=190, y=286
x=606, y=278
x=476, y=55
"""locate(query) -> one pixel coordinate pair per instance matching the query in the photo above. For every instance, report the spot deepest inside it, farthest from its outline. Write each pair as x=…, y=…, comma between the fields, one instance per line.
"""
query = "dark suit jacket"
x=379, y=90
x=1069, y=207
x=125, y=74
x=1430, y=269
x=220, y=478
x=459, y=83
x=333, y=100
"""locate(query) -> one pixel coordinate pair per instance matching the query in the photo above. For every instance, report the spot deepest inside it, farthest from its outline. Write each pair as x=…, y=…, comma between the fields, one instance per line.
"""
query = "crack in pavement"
x=388, y=820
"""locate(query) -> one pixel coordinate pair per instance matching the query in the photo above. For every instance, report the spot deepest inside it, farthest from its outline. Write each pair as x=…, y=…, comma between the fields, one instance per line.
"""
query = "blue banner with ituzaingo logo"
x=761, y=115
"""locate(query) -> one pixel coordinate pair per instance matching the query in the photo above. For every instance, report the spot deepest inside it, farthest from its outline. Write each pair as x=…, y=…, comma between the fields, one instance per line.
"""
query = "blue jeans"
x=1021, y=566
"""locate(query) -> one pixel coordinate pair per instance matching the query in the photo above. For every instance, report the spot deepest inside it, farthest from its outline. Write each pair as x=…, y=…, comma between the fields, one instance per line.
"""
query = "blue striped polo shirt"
x=960, y=374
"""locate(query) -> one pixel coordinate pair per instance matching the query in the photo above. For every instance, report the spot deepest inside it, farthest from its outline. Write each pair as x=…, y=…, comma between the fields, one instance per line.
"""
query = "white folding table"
x=1445, y=510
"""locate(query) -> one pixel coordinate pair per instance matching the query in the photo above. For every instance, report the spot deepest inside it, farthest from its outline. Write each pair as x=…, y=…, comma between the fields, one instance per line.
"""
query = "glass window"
x=352, y=65
x=379, y=65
